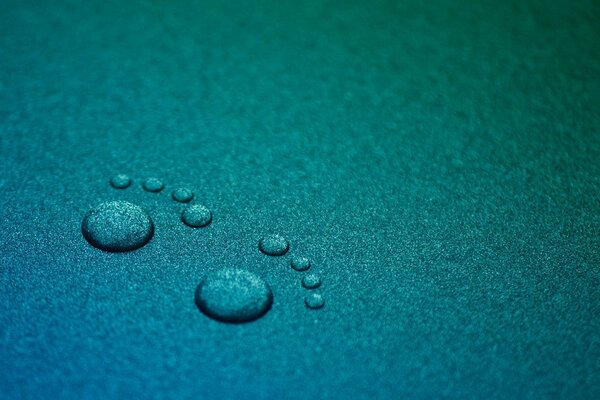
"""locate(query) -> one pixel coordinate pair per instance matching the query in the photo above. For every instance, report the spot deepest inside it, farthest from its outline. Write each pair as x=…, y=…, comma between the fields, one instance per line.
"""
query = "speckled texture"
x=182, y=195
x=153, y=185
x=233, y=295
x=437, y=161
x=273, y=245
x=311, y=281
x=315, y=301
x=117, y=226
x=196, y=216
x=300, y=264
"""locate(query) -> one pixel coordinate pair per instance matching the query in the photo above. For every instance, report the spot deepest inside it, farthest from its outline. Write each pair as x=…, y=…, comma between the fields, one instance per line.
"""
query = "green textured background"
x=438, y=161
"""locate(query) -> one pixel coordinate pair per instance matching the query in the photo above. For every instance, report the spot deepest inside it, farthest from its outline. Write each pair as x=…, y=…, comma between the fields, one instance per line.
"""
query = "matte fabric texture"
x=437, y=162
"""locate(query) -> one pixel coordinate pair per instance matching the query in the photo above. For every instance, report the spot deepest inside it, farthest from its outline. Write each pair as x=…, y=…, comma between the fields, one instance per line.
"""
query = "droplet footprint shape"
x=228, y=295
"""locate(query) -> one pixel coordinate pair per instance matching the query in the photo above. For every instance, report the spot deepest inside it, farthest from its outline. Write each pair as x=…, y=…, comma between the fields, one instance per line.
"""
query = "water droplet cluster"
x=231, y=295
x=276, y=245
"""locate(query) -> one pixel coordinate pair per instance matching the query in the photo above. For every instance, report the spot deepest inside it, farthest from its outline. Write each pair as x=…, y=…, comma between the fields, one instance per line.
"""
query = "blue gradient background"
x=438, y=162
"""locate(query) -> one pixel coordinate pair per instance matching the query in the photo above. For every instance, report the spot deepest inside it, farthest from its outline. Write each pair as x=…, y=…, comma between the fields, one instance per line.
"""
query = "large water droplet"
x=273, y=245
x=182, y=195
x=234, y=295
x=300, y=263
x=314, y=301
x=311, y=281
x=117, y=226
x=196, y=216
x=153, y=185
x=120, y=181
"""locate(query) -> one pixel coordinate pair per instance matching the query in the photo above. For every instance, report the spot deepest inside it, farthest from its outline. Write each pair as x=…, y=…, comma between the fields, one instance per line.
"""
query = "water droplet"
x=300, y=263
x=234, y=295
x=120, y=181
x=273, y=245
x=314, y=301
x=183, y=195
x=196, y=216
x=117, y=226
x=311, y=281
x=153, y=185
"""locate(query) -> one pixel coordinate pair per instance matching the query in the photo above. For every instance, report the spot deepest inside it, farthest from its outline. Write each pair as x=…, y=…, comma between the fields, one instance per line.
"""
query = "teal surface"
x=438, y=162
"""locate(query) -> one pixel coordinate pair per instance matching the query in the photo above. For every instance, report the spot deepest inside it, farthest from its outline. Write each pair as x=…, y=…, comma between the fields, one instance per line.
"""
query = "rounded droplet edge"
x=280, y=253
x=312, y=306
x=87, y=236
x=208, y=222
x=201, y=305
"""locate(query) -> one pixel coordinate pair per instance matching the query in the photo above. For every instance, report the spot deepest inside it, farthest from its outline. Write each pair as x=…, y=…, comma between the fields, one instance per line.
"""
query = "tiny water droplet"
x=273, y=245
x=311, y=281
x=120, y=181
x=300, y=263
x=233, y=295
x=153, y=185
x=182, y=195
x=196, y=216
x=117, y=226
x=314, y=301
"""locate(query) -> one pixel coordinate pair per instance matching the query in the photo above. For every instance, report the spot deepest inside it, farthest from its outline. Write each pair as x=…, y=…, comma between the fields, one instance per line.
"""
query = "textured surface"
x=234, y=295
x=117, y=226
x=438, y=163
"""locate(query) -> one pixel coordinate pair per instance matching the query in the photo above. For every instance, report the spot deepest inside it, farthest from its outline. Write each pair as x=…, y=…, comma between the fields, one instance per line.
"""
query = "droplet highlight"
x=300, y=263
x=314, y=301
x=273, y=245
x=196, y=216
x=153, y=185
x=311, y=281
x=120, y=181
x=234, y=296
x=117, y=226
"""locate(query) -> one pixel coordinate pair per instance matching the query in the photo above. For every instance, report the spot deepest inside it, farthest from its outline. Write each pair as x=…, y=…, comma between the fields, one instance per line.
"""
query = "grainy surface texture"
x=438, y=162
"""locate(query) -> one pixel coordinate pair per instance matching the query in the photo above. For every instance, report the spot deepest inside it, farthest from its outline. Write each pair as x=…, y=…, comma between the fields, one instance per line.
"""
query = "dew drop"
x=196, y=216
x=314, y=301
x=182, y=195
x=273, y=245
x=120, y=181
x=153, y=185
x=233, y=295
x=300, y=263
x=117, y=226
x=311, y=281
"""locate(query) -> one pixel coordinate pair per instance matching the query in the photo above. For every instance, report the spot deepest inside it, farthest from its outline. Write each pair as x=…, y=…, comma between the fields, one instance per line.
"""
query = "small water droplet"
x=182, y=195
x=117, y=226
x=196, y=216
x=153, y=185
x=314, y=301
x=273, y=245
x=233, y=295
x=300, y=263
x=120, y=181
x=311, y=281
